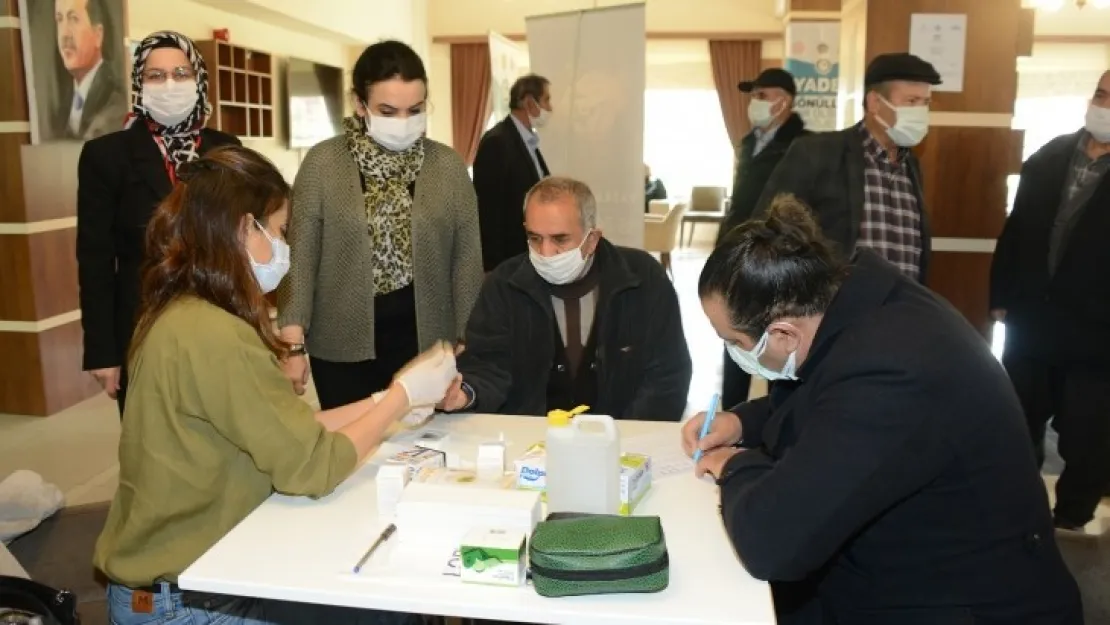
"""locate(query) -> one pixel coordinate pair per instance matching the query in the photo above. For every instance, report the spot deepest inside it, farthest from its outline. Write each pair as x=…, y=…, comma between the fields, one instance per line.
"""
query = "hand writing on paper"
x=725, y=431
x=713, y=462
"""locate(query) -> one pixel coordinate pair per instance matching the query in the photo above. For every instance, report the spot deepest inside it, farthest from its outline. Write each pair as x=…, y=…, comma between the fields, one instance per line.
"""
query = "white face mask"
x=396, y=133
x=910, y=127
x=761, y=112
x=170, y=103
x=1098, y=123
x=562, y=268
x=749, y=361
x=541, y=121
x=270, y=274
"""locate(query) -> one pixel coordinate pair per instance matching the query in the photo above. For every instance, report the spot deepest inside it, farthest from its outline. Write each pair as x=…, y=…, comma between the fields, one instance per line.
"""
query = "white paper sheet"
x=941, y=39
x=667, y=457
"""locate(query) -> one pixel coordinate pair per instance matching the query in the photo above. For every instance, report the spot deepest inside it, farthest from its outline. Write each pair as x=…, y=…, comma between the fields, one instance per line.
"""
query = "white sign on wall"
x=813, y=57
x=595, y=62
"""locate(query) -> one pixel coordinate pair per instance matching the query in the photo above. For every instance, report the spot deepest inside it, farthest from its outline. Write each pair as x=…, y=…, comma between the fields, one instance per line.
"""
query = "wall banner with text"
x=813, y=57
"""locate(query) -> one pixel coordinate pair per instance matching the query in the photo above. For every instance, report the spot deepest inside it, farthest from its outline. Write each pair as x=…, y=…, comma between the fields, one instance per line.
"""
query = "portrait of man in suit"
x=75, y=58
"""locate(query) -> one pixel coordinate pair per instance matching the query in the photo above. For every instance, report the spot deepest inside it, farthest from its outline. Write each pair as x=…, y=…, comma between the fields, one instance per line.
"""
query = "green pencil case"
x=573, y=555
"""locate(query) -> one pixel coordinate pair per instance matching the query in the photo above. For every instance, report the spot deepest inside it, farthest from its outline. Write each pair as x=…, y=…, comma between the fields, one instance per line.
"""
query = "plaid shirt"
x=891, y=217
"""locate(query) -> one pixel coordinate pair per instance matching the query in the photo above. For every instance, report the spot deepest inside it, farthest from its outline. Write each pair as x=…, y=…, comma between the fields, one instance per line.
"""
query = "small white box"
x=491, y=461
x=448, y=512
x=417, y=458
x=463, y=478
x=432, y=439
x=530, y=471
x=492, y=556
x=391, y=481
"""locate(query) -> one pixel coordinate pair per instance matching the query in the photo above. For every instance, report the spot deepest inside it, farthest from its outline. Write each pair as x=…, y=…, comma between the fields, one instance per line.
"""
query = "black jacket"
x=825, y=170
x=503, y=174
x=753, y=171
x=1064, y=317
x=643, y=363
x=895, y=483
x=121, y=178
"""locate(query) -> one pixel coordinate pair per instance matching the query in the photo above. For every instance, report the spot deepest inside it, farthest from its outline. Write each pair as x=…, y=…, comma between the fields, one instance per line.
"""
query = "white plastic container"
x=583, y=464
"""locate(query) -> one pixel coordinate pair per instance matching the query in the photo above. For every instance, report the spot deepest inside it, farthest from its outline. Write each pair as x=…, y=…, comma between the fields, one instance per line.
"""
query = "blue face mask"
x=749, y=361
x=269, y=274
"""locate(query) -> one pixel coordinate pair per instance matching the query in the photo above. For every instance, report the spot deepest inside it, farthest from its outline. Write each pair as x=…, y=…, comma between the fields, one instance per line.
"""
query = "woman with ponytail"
x=889, y=476
x=121, y=178
x=213, y=427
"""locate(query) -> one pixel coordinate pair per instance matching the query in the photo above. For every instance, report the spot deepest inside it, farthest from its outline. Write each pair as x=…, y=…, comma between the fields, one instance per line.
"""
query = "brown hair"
x=193, y=242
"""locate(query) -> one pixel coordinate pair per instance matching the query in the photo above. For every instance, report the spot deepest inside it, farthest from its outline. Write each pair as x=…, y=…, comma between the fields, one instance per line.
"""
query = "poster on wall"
x=595, y=61
x=813, y=57
x=508, y=61
x=941, y=39
x=75, y=60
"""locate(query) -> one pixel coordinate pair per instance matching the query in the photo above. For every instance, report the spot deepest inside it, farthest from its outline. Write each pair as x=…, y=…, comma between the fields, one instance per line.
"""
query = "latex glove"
x=415, y=417
x=428, y=376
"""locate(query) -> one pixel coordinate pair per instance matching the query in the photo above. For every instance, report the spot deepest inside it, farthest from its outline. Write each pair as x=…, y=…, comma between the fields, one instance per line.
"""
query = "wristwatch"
x=296, y=349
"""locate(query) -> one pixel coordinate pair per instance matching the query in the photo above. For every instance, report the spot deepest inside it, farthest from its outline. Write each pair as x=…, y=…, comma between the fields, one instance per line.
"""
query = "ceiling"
x=344, y=21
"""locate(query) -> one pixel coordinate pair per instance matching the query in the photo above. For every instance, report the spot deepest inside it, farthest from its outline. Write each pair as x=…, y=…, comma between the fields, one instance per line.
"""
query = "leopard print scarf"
x=386, y=177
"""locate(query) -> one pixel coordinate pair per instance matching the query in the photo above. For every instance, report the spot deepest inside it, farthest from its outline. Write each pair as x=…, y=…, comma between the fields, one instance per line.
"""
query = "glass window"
x=685, y=142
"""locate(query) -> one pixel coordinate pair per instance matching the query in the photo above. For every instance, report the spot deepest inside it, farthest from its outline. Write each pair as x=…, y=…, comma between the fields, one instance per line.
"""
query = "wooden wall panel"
x=41, y=372
x=11, y=177
x=814, y=5
x=963, y=279
x=964, y=171
x=9, y=8
x=13, y=96
x=990, y=73
x=48, y=195
x=39, y=280
x=769, y=63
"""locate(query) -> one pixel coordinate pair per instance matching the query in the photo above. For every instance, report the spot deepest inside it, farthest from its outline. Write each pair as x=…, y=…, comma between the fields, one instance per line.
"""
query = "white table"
x=297, y=549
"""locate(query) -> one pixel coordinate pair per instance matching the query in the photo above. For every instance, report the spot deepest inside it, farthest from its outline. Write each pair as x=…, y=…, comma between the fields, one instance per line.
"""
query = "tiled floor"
x=76, y=449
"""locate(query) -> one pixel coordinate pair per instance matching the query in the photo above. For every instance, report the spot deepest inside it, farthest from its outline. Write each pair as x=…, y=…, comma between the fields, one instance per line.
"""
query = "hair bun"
x=190, y=169
x=790, y=226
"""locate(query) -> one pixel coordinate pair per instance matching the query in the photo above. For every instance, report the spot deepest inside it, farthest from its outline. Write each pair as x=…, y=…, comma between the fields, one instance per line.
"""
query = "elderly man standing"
x=575, y=320
x=864, y=183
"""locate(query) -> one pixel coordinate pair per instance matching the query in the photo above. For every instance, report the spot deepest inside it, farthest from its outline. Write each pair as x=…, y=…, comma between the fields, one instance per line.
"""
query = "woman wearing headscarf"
x=121, y=178
x=386, y=255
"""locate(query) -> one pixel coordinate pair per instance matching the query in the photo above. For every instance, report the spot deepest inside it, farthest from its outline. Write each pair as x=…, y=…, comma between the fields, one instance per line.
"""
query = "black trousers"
x=395, y=342
x=735, y=385
x=1076, y=399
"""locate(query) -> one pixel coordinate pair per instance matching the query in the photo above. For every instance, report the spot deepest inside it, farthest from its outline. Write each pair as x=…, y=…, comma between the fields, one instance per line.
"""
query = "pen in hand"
x=709, y=415
x=386, y=533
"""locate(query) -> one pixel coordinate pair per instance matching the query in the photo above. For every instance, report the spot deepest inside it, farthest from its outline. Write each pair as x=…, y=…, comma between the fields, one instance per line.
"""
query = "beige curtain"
x=733, y=62
x=470, y=83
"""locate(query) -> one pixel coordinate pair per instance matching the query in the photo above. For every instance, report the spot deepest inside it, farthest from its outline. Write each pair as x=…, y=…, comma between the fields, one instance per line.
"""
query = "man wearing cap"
x=864, y=183
x=775, y=125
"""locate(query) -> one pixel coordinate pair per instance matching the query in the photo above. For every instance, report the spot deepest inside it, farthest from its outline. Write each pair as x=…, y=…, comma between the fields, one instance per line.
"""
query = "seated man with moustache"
x=575, y=321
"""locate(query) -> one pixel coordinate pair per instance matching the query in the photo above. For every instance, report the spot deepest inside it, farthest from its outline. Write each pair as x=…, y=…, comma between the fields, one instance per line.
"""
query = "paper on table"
x=665, y=449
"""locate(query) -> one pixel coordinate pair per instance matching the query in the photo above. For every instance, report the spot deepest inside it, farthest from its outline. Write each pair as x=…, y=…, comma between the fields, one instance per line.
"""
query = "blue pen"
x=707, y=423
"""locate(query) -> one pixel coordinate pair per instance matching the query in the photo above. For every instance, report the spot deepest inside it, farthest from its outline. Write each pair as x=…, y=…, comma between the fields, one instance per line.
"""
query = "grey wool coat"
x=329, y=289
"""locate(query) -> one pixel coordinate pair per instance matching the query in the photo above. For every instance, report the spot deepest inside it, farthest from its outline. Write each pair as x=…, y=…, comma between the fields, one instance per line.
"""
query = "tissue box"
x=635, y=475
x=417, y=458
x=449, y=511
x=461, y=477
x=391, y=481
x=492, y=556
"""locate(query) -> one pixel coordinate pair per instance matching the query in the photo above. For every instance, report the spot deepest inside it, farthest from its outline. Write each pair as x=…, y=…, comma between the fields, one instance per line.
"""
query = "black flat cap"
x=773, y=77
x=900, y=66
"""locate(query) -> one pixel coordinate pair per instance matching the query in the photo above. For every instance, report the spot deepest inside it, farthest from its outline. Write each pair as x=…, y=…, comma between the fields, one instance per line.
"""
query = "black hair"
x=95, y=9
x=383, y=61
x=775, y=267
x=527, y=86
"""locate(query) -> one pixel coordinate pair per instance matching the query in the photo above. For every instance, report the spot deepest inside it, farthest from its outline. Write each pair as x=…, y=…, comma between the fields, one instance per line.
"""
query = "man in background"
x=576, y=320
x=93, y=99
x=775, y=125
x=653, y=188
x=864, y=183
x=507, y=165
x=1050, y=284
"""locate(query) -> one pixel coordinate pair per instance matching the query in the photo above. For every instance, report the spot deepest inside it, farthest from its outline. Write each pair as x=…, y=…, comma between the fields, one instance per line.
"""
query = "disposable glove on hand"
x=416, y=416
x=428, y=376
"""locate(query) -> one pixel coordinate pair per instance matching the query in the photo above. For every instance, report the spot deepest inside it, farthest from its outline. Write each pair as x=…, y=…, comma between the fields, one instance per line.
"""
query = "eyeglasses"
x=159, y=76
